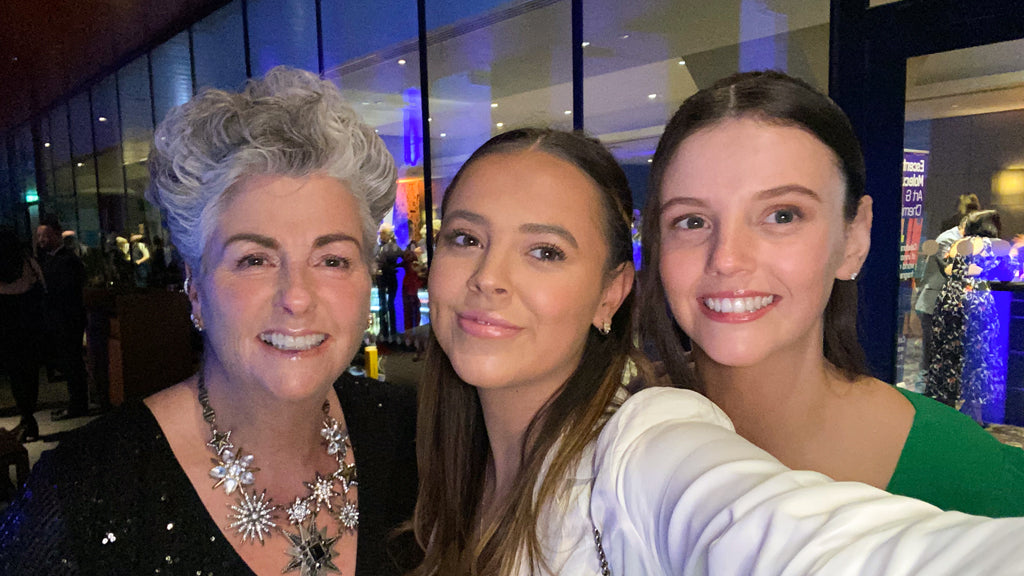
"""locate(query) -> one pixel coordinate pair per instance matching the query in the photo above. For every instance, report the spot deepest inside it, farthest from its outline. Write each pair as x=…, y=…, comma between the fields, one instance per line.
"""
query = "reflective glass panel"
x=371, y=52
x=84, y=170
x=642, y=59
x=106, y=127
x=172, y=74
x=493, y=69
x=218, y=45
x=961, y=322
x=282, y=32
x=136, y=134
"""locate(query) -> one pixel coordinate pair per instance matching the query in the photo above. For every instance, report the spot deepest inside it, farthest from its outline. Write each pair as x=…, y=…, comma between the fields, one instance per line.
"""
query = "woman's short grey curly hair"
x=289, y=123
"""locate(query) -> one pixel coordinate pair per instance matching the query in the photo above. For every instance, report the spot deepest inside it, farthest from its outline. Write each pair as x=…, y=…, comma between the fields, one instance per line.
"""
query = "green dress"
x=951, y=462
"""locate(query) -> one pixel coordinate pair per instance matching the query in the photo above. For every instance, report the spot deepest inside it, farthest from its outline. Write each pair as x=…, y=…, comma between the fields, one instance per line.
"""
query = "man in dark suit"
x=64, y=316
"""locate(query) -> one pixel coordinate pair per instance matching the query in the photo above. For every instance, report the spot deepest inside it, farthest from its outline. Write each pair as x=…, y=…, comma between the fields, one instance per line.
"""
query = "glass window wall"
x=172, y=74
x=218, y=44
x=371, y=52
x=493, y=70
x=282, y=32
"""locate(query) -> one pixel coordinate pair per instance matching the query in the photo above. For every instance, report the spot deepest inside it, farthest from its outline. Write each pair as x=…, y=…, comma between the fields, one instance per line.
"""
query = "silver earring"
x=187, y=284
x=196, y=322
x=853, y=276
x=605, y=328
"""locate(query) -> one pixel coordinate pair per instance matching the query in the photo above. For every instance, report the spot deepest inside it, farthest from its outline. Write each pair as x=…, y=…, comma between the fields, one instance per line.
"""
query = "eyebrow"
x=265, y=241
x=336, y=237
x=530, y=228
x=550, y=229
x=268, y=242
x=767, y=194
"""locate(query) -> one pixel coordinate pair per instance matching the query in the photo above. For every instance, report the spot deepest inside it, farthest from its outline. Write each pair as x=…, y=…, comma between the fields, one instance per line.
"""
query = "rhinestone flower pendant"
x=233, y=471
x=253, y=517
x=311, y=550
x=335, y=437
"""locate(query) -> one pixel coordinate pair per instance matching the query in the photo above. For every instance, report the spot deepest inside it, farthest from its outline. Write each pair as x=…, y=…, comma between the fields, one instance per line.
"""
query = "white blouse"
x=674, y=490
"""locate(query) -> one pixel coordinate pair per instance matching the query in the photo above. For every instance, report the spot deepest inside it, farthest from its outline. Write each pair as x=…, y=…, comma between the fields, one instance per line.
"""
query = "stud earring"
x=605, y=328
x=853, y=276
x=196, y=322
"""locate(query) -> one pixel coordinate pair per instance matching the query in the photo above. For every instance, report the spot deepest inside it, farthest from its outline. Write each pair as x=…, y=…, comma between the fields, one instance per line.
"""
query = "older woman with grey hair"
x=273, y=196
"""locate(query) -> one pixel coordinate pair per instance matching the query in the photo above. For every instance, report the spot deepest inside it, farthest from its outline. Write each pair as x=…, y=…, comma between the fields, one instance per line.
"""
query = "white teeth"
x=738, y=305
x=293, y=343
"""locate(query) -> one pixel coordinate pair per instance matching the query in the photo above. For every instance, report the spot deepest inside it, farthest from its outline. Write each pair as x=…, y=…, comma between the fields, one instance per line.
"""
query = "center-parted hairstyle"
x=289, y=123
x=451, y=442
x=778, y=99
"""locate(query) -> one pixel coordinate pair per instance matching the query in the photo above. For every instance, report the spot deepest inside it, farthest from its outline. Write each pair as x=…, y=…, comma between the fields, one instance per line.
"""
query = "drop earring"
x=605, y=328
x=197, y=322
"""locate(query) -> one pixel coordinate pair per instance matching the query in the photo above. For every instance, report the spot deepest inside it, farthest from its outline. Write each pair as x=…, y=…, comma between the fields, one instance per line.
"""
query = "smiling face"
x=752, y=238
x=519, y=272
x=285, y=292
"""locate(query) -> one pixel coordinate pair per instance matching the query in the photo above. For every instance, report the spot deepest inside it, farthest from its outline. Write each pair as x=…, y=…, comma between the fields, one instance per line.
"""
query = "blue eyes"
x=778, y=216
x=783, y=216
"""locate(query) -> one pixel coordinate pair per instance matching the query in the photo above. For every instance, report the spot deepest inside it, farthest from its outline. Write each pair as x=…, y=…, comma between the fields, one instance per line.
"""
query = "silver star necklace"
x=254, y=516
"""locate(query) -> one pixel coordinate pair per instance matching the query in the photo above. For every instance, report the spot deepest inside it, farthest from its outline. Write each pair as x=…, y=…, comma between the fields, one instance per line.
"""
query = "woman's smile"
x=738, y=305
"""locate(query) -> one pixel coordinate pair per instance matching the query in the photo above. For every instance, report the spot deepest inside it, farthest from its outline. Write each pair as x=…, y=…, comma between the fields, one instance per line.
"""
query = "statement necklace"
x=255, y=517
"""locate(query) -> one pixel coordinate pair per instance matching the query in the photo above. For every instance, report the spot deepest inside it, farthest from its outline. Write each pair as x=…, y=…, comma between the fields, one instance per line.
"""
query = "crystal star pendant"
x=322, y=490
x=253, y=517
x=311, y=551
x=348, y=516
x=220, y=441
x=232, y=471
x=347, y=474
x=299, y=511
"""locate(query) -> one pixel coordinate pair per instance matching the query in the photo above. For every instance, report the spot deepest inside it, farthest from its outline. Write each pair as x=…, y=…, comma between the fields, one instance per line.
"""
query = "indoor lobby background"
x=437, y=78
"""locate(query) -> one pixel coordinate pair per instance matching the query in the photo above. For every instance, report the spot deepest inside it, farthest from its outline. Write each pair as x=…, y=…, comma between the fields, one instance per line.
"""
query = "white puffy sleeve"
x=676, y=491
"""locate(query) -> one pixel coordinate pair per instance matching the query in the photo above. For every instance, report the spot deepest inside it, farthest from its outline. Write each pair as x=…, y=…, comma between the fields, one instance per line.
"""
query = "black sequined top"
x=112, y=499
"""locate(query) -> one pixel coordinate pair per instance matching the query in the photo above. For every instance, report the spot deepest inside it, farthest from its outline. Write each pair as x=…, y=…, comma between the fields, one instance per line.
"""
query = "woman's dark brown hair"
x=773, y=98
x=451, y=442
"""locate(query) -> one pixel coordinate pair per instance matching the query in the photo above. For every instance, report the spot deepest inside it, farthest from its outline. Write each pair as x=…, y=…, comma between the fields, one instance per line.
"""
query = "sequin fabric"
x=111, y=498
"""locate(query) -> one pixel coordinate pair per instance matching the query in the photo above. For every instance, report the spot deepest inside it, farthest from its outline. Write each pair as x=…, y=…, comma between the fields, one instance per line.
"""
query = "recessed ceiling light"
x=650, y=160
x=494, y=104
x=585, y=44
x=443, y=134
x=80, y=164
x=682, y=62
x=567, y=112
x=46, y=145
x=430, y=119
x=102, y=118
x=652, y=96
x=401, y=61
x=500, y=124
x=624, y=36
